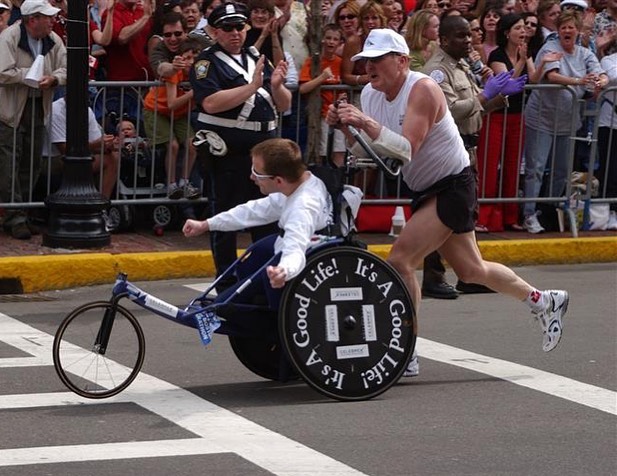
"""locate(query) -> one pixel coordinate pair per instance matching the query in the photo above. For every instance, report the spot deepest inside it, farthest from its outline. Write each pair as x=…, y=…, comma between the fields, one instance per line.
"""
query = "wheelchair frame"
x=346, y=325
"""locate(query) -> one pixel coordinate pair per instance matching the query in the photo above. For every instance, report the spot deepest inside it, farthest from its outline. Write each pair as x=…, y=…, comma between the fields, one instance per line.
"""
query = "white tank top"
x=442, y=153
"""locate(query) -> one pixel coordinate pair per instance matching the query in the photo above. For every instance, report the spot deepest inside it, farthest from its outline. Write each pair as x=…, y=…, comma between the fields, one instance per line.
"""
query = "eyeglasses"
x=260, y=176
x=443, y=4
x=531, y=24
x=229, y=28
x=476, y=29
x=169, y=34
x=347, y=17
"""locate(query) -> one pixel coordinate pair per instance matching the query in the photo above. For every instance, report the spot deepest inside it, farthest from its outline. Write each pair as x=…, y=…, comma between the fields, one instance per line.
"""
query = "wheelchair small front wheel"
x=347, y=323
x=93, y=366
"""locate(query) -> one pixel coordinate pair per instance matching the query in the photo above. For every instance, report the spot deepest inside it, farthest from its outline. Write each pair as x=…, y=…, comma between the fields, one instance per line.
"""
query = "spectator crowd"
x=521, y=142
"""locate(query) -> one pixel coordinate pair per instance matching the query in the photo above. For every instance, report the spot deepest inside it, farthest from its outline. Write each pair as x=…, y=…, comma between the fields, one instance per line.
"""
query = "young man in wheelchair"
x=295, y=198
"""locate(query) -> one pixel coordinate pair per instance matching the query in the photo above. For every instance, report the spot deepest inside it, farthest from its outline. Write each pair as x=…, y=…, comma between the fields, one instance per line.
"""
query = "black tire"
x=86, y=370
x=263, y=358
x=347, y=324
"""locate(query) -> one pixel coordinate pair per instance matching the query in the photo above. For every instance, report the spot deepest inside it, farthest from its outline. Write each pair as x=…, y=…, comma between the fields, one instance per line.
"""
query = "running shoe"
x=191, y=192
x=550, y=318
x=174, y=192
x=413, y=368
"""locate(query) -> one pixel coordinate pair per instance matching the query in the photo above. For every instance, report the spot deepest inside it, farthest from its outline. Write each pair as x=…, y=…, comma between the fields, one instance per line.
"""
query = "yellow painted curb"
x=50, y=272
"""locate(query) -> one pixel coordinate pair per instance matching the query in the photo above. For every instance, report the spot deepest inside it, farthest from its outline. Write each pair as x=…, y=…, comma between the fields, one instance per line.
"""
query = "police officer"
x=238, y=95
x=466, y=100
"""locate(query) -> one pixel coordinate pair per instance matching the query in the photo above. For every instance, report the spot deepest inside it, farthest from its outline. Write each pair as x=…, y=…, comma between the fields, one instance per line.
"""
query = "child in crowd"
x=166, y=121
x=330, y=74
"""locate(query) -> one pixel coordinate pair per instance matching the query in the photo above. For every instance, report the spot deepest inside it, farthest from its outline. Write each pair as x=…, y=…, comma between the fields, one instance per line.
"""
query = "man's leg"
x=422, y=235
x=548, y=307
x=423, y=232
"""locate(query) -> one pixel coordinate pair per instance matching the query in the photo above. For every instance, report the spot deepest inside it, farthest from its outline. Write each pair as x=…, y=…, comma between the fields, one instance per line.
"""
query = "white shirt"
x=56, y=129
x=442, y=153
x=300, y=215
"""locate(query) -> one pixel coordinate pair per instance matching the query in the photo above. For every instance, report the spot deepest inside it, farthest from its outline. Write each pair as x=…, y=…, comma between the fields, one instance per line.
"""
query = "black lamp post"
x=75, y=218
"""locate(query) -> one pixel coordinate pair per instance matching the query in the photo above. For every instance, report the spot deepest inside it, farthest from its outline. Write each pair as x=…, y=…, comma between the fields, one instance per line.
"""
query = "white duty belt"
x=255, y=126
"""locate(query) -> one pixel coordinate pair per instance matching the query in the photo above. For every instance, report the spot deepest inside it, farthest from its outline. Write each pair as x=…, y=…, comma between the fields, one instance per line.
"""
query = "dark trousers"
x=18, y=179
x=230, y=185
x=607, y=171
x=434, y=270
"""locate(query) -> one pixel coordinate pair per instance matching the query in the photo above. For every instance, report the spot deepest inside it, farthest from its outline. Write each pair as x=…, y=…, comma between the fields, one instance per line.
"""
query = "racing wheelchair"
x=345, y=325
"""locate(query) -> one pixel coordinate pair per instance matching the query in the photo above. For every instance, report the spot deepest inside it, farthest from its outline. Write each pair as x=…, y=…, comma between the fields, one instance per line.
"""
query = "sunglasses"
x=169, y=34
x=347, y=17
x=573, y=7
x=443, y=4
x=476, y=29
x=260, y=176
x=531, y=24
x=237, y=27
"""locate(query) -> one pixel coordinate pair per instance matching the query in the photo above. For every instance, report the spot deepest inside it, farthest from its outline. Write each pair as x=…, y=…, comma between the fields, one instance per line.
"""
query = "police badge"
x=201, y=69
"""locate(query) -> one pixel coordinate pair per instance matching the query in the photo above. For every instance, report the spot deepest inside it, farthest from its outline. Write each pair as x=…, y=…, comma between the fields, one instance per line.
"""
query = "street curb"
x=50, y=272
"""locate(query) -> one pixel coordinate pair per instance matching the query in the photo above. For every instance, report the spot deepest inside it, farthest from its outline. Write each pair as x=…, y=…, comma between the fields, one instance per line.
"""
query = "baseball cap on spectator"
x=42, y=7
x=582, y=4
x=382, y=41
x=4, y=6
x=228, y=14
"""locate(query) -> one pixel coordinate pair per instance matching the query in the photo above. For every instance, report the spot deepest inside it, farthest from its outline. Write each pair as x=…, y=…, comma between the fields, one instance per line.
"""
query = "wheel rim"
x=86, y=371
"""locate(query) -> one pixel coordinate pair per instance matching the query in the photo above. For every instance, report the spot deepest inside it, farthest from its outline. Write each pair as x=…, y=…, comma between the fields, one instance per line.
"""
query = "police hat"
x=229, y=13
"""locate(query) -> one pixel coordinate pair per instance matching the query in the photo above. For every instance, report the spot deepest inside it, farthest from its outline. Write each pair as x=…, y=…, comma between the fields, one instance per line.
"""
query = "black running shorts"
x=456, y=200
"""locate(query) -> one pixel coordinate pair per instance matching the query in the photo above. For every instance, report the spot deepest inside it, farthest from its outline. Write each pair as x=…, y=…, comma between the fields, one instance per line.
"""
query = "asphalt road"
x=487, y=401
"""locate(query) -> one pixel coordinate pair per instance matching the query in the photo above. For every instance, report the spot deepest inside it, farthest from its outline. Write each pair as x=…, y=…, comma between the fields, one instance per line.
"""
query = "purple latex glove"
x=514, y=85
x=495, y=84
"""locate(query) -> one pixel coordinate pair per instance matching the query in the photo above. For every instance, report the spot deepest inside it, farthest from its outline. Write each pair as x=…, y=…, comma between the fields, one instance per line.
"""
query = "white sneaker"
x=550, y=318
x=612, y=221
x=532, y=225
x=413, y=368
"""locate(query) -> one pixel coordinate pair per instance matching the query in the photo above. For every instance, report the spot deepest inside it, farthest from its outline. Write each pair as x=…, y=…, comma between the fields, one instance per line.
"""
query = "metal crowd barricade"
x=609, y=94
x=381, y=191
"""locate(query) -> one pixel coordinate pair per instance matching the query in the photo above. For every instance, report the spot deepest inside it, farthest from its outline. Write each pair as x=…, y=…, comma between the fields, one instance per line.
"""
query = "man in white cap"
x=25, y=108
x=405, y=116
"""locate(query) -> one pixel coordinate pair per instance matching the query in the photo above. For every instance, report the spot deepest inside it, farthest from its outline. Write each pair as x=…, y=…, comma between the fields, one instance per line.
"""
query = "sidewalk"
x=28, y=266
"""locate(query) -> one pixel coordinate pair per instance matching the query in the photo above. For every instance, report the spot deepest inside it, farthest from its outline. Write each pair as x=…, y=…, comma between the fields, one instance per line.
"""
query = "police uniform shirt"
x=455, y=79
x=210, y=74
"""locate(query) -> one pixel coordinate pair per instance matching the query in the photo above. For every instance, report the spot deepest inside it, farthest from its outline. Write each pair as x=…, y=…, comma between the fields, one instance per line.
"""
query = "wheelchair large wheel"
x=263, y=358
x=96, y=367
x=347, y=323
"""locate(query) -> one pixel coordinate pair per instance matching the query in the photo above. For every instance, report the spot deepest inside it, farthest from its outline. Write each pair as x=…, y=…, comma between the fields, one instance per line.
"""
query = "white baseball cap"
x=577, y=3
x=382, y=41
x=42, y=7
x=4, y=6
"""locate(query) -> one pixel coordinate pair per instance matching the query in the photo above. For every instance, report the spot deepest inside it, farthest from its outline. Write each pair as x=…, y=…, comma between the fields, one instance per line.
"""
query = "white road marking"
x=220, y=431
x=217, y=430
x=563, y=387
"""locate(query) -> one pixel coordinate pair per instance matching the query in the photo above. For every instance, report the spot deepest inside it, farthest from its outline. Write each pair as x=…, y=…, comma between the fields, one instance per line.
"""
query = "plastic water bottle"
x=398, y=221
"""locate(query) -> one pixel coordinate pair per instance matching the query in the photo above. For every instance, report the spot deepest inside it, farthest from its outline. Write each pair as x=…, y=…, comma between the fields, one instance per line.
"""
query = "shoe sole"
x=564, y=306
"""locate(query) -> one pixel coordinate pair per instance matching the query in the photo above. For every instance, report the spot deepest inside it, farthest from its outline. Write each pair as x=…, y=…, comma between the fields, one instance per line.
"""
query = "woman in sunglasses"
x=371, y=17
x=346, y=16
